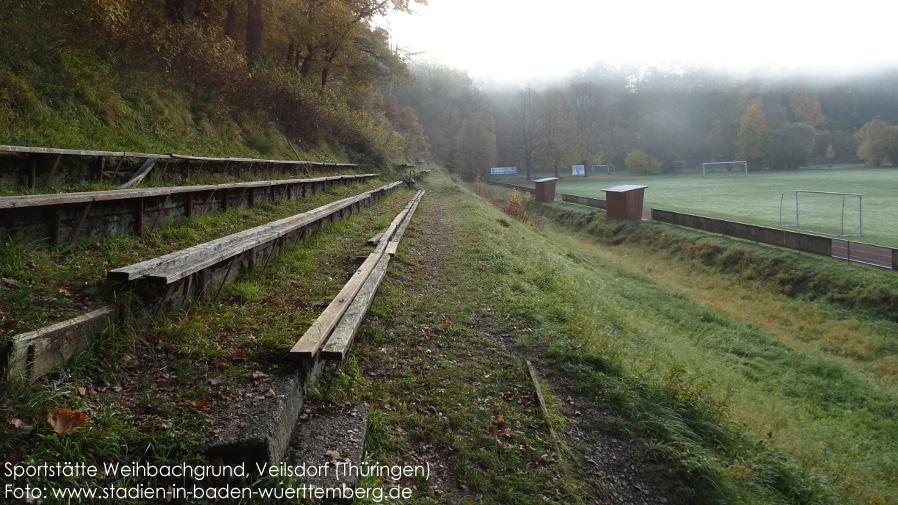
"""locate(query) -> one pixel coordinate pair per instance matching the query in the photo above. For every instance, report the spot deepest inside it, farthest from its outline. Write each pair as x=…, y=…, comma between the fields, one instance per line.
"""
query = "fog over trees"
x=603, y=114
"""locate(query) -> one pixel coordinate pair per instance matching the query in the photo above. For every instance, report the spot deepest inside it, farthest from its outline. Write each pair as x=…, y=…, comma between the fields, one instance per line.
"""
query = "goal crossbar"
x=857, y=231
x=712, y=164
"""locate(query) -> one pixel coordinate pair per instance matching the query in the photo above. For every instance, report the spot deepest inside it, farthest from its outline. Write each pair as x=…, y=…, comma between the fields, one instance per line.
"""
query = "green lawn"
x=756, y=198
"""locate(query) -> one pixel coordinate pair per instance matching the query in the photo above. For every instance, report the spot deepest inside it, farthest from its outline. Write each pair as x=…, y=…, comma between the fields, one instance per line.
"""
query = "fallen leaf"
x=541, y=461
x=153, y=424
x=65, y=421
x=217, y=380
x=204, y=406
x=21, y=427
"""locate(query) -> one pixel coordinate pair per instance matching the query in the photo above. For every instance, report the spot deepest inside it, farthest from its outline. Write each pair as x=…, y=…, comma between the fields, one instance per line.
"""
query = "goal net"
x=601, y=169
x=824, y=212
x=725, y=167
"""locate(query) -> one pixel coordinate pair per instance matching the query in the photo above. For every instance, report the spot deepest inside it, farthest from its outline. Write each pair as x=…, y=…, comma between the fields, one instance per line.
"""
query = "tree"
x=830, y=154
x=753, y=134
x=806, y=109
x=253, y=30
x=442, y=97
x=790, y=146
x=526, y=110
x=475, y=146
x=638, y=162
x=558, y=141
x=586, y=99
x=878, y=143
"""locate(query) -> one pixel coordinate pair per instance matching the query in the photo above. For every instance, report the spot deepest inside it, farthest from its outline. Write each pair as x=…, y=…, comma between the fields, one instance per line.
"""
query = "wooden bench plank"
x=312, y=340
x=9, y=202
x=340, y=341
x=179, y=264
x=320, y=331
x=36, y=352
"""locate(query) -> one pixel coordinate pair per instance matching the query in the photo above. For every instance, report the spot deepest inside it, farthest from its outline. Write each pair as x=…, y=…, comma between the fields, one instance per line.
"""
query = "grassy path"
x=739, y=405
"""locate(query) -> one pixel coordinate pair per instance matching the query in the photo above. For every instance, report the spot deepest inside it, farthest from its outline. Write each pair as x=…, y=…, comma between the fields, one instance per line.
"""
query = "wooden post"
x=54, y=226
x=101, y=164
x=138, y=218
x=32, y=170
x=224, y=201
x=188, y=205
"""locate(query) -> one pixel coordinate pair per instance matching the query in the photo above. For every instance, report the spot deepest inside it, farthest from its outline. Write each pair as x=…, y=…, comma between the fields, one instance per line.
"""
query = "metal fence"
x=845, y=250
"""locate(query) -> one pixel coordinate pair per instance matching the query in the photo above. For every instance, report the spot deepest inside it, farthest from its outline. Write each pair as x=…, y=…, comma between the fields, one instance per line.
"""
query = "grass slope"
x=733, y=409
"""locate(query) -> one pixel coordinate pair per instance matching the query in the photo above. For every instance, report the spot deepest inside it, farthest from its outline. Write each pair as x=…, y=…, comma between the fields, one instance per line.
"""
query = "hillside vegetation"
x=203, y=78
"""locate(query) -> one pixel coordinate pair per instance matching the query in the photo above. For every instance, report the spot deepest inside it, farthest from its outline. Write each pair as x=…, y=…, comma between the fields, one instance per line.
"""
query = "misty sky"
x=524, y=39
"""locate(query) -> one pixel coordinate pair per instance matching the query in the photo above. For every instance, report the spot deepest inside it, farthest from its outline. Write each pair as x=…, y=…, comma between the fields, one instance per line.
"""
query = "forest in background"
x=235, y=77
x=606, y=113
x=217, y=77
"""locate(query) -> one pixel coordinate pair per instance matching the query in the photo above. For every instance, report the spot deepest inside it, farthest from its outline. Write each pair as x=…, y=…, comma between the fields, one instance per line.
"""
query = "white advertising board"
x=503, y=170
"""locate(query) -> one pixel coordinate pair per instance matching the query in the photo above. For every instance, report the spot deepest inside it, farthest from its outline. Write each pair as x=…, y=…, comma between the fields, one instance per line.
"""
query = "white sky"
x=527, y=39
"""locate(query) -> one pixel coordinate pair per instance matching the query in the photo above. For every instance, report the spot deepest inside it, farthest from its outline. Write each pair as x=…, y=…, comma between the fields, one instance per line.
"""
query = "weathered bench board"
x=170, y=280
x=350, y=305
x=67, y=217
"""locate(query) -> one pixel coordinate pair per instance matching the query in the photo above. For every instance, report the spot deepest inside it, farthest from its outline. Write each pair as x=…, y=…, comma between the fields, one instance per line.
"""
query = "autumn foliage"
x=315, y=69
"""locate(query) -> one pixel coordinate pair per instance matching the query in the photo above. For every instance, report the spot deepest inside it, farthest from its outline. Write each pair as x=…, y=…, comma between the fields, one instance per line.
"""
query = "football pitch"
x=756, y=198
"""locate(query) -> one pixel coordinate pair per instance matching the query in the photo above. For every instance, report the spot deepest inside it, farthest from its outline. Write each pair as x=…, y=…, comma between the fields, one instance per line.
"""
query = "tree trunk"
x=325, y=72
x=253, y=30
x=232, y=22
x=182, y=11
x=306, y=67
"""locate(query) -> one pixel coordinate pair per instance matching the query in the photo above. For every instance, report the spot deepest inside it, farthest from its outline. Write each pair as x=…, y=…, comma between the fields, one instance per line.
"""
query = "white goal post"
x=826, y=212
x=714, y=166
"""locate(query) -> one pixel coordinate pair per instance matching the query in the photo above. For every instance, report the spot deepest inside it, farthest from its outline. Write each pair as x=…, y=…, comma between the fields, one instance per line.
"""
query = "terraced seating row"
x=93, y=214
x=252, y=165
x=171, y=279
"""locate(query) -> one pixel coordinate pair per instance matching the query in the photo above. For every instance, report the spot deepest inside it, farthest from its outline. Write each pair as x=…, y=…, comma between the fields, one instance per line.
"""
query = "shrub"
x=639, y=162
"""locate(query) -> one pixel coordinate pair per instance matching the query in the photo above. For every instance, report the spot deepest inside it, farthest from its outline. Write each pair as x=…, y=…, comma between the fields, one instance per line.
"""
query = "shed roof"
x=623, y=188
